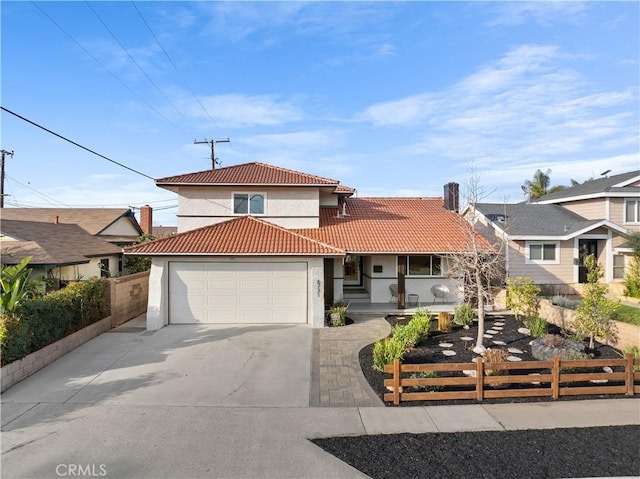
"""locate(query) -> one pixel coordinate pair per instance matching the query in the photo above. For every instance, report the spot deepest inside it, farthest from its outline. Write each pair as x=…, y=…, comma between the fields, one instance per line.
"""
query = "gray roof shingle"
x=594, y=187
x=533, y=219
x=50, y=244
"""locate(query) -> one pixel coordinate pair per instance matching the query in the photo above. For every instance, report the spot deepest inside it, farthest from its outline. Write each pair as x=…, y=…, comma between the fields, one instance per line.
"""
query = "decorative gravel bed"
x=548, y=453
x=455, y=347
x=535, y=454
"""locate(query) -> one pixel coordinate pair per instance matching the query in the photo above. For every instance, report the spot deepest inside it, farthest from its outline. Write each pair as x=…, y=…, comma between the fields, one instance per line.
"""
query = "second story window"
x=632, y=211
x=248, y=203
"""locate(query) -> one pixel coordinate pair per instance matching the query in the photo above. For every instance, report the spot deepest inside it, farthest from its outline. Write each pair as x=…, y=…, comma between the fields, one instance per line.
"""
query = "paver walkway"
x=336, y=377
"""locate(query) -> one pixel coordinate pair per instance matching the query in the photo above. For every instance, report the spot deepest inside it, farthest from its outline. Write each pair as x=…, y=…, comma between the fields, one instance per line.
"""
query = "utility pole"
x=4, y=152
x=214, y=160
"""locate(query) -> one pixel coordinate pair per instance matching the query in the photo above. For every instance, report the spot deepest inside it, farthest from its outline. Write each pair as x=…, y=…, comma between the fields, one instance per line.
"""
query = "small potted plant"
x=338, y=313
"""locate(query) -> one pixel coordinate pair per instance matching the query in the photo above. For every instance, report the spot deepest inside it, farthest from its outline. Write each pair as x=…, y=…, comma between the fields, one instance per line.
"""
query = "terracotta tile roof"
x=248, y=174
x=50, y=244
x=246, y=235
x=92, y=220
x=394, y=225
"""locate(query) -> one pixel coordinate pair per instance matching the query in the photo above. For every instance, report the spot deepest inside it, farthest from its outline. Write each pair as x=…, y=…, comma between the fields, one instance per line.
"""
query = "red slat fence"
x=552, y=379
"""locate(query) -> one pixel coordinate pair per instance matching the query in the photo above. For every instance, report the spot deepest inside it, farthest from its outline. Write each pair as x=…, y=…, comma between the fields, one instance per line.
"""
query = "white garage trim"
x=244, y=292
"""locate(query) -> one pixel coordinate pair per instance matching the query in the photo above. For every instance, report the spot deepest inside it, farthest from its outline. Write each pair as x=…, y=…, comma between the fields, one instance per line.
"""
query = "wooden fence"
x=553, y=379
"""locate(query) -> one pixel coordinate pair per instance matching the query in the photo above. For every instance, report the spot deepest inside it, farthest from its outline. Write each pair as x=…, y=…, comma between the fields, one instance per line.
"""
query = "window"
x=543, y=253
x=104, y=268
x=618, y=266
x=632, y=211
x=424, y=266
x=248, y=203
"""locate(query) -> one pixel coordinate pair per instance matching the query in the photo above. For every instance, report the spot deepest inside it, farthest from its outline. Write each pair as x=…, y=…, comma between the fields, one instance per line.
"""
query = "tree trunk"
x=479, y=288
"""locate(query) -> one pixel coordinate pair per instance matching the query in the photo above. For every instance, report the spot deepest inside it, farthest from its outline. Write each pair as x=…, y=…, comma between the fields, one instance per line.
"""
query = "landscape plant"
x=537, y=326
x=339, y=313
x=593, y=318
x=13, y=282
x=40, y=321
x=386, y=351
x=632, y=273
x=138, y=264
x=402, y=339
x=564, y=302
x=463, y=314
x=426, y=375
x=521, y=297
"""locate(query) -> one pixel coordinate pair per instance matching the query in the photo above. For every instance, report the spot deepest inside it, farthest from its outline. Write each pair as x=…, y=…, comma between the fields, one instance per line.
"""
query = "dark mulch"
x=429, y=351
x=536, y=454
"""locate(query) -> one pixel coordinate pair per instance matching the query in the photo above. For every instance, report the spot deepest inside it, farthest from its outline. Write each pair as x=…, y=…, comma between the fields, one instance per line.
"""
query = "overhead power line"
x=173, y=64
x=76, y=144
x=124, y=49
x=79, y=45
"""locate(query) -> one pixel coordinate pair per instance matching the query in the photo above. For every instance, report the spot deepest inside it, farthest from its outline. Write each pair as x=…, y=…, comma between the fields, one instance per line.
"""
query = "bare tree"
x=482, y=259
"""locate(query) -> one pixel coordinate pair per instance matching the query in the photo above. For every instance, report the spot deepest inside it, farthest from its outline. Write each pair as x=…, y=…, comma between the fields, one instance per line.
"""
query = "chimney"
x=146, y=219
x=451, y=197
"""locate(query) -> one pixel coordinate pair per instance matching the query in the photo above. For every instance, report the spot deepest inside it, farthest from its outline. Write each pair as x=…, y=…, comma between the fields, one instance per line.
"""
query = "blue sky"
x=391, y=98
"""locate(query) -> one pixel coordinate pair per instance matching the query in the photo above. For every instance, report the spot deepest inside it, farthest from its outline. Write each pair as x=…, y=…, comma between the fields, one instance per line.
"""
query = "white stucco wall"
x=288, y=207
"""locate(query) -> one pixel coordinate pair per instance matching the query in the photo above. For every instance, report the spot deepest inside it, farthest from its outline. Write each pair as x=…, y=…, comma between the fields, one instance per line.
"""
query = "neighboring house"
x=61, y=252
x=262, y=244
x=549, y=238
x=114, y=225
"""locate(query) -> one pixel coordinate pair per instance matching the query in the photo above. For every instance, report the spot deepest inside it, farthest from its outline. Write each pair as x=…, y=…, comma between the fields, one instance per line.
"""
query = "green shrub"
x=14, y=338
x=564, y=302
x=635, y=352
x=463, y=314
x=407, y=335
x=632, y=274
x=426, y=375
x=386, y=351
x=421, y=323
x=538, y=326
x=521, y=297
x=593, y=318
x=46, y=319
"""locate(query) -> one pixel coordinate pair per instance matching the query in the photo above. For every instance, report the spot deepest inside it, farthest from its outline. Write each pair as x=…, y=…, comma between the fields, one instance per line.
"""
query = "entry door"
x=586, y=247
x=353, y=270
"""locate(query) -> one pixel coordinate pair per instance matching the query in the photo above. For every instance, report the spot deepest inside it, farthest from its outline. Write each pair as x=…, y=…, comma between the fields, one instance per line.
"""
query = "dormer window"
x=248, y=203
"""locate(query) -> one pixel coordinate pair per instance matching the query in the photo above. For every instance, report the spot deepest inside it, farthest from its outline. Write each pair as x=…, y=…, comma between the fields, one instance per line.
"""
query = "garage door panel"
x=237, y=292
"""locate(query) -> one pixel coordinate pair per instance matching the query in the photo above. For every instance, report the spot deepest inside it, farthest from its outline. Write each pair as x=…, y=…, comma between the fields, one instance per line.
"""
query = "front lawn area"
x=627, y=314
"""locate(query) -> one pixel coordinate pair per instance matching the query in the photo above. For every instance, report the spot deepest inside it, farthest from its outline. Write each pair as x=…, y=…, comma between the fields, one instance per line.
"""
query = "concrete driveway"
x=181, y=365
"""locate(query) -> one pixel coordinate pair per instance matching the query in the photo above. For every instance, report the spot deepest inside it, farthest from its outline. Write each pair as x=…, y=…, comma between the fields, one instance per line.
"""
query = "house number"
x=318, y=287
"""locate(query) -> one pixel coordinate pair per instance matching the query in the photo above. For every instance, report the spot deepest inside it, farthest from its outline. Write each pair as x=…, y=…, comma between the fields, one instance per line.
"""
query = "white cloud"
x=517, y=13
x=239, y=111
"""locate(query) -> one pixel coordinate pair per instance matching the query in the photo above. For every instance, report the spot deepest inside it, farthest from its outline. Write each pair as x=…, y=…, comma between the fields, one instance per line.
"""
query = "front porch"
x=385, y=309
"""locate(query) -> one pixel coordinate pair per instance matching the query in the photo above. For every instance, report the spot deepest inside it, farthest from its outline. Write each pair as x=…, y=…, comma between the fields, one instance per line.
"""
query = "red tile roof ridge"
x=378, y=198
x=200, y=175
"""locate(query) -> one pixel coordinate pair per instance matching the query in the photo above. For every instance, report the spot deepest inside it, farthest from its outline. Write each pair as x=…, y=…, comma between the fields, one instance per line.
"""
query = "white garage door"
x=237, y=292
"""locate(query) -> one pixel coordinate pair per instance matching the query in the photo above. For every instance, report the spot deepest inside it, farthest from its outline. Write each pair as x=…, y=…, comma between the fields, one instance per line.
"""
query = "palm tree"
x=540, y=184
